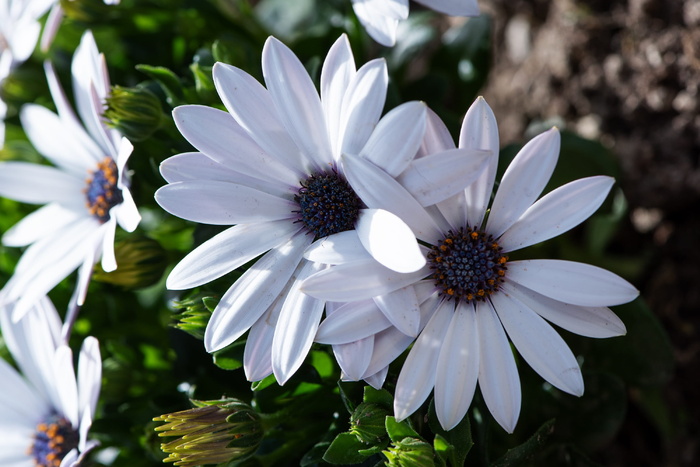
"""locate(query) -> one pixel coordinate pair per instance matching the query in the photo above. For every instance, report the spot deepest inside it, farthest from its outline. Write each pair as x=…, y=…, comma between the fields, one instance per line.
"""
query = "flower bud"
x=211, y=433
x=367, y=422
x=135, y=112
x=141, y=262
x=194, y=313
x=410, y=452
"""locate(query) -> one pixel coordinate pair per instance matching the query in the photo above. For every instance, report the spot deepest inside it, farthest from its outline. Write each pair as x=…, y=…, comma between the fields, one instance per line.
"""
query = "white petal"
x=417, y=377
x=402, y=309
x=338, y=248
x=354, y=357
x=597, y=322
x=108, y=230
x=296, y=327
x=45, y=221
x=19, y=403
x=377, y=380
x=457, y=368
x=89, y=376
x=572, y=282
x=524, y=180
x=39, y=184
x=557, y=212
x=435, y=178
x=540, y=345
x=453, y=7
x=381, y=28
x=251, y=295
x=222, y=203
x=65, y=384
x=498, y=375
x=337, y=72
x=297, y=101
x=257, y=356
x=228, y=250
x=358, y=280
x=437, y=137
x=351, y=322
x=389, y=240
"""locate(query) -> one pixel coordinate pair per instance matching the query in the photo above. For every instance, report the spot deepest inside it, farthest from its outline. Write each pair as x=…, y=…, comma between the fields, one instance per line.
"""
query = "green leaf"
x=345, y=449
x=528, y=449
x=399, y=430
x=168, y=81
x=231, y=357
x=459, y=438
x=378, y=396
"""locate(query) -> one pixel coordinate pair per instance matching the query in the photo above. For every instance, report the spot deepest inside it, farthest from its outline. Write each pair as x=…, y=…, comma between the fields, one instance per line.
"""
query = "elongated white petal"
x=19, y=403
x=437, y=137
x=453, y=7
x=417, y=377
x=498, y=375
x=222, y=203
x=397, y=138
x=45, y=221
x=457, y=368
x=66, y=387
x=257, y=356
x=251, y=295
x=597, y=322
x=39, y=184
x=437, y=177
x=337, y=72
x=351, y=322
x=89, y=376
x=342, y=247
x=296, y=327
x=557, y=212
x=381, y=28
x=228, y=250
x=572, y=282
x=524, y=180
x=358, y=280
x=402, y=309
x=389, y=240
x=354, y=357
x=539, y=344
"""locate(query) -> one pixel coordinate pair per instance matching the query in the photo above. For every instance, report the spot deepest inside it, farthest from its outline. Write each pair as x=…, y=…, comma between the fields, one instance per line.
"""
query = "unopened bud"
x=141, y=262
x=410, y=452
x=135, y=112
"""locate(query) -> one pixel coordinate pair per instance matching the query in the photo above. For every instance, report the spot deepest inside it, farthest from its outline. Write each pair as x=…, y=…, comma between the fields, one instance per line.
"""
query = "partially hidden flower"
x=381, y=17
x=85, y=194
x=473, y=297
x=271, y=167
x=46, y=411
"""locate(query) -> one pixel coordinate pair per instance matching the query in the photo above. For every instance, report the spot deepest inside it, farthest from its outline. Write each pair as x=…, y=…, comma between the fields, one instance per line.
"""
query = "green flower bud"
x=135, y=112
x=87, y=11
x=410, y=452
x=211, y=433
x=367, y=422
x=193, y=314
x=141, y=262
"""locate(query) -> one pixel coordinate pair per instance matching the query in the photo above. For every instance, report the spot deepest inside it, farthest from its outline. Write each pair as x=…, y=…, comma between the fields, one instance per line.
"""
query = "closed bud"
x=136, y=112
x=141, y=262
x=367, y=422
x=410, y=452
x=213, y=432
x=193, y=314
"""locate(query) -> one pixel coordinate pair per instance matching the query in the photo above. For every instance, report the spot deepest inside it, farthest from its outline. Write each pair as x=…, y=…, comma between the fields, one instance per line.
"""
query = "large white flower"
x=46, y=412
x=381, y=17
x=270, y=166
x=85, y=195
x=475, y=298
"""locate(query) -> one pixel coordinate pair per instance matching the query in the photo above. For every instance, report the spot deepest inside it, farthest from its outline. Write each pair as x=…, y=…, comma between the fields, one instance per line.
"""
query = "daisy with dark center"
x=85, y=194
x=271, y=168
x=472, y=296
x=47, y=412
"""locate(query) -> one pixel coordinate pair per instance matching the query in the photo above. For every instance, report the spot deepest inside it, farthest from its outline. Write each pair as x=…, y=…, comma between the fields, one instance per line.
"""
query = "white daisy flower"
x=381, y=17
x=45, y=412
x=85, y=195
x=270, y=166
x=473, y=297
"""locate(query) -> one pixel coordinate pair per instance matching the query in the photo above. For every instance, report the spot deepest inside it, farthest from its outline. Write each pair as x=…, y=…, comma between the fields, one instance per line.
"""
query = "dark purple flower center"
x=102, y=192
x=54, y=438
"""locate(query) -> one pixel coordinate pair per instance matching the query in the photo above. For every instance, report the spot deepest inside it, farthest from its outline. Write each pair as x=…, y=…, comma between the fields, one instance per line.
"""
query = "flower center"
x=468, y=265
x=101, y=192
x=53, y=439
x=327, y=204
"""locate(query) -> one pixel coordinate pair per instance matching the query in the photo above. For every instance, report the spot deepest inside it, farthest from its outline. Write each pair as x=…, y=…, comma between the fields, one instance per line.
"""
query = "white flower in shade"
x=381, y=17
x=46, y=412
x=473, y=297
x=85, y=195
x=271, y=167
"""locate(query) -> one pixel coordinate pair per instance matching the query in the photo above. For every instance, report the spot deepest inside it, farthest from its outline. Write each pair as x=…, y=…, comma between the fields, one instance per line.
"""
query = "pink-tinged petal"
x=380, y=190
x=228, y=250
x=257, y=356
x=437, y=177
x=339, y=248
x=437, y=137
x=539, y=344
x=253, y=293
x=354, y=357
x=596, y=322
x=296, y=327
x=557, y=212
x=43, y=222
x=363, y=103
x=498, y=375
x=572, y=282
x=297, y=101
x=337, y=72
x=222, y=203
x=53, y=21
x=417, y=377
x=352, y=321
x=39, y=184
x=397, y=138
x=217, y=134
x=453, y=7
x=66, y=387
x=479, y=131
x=389, y=240
x=457, y=368
x=523, y=181
x=358, y=280
x=252, y=107
x=89, y=376
x=402, y=309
